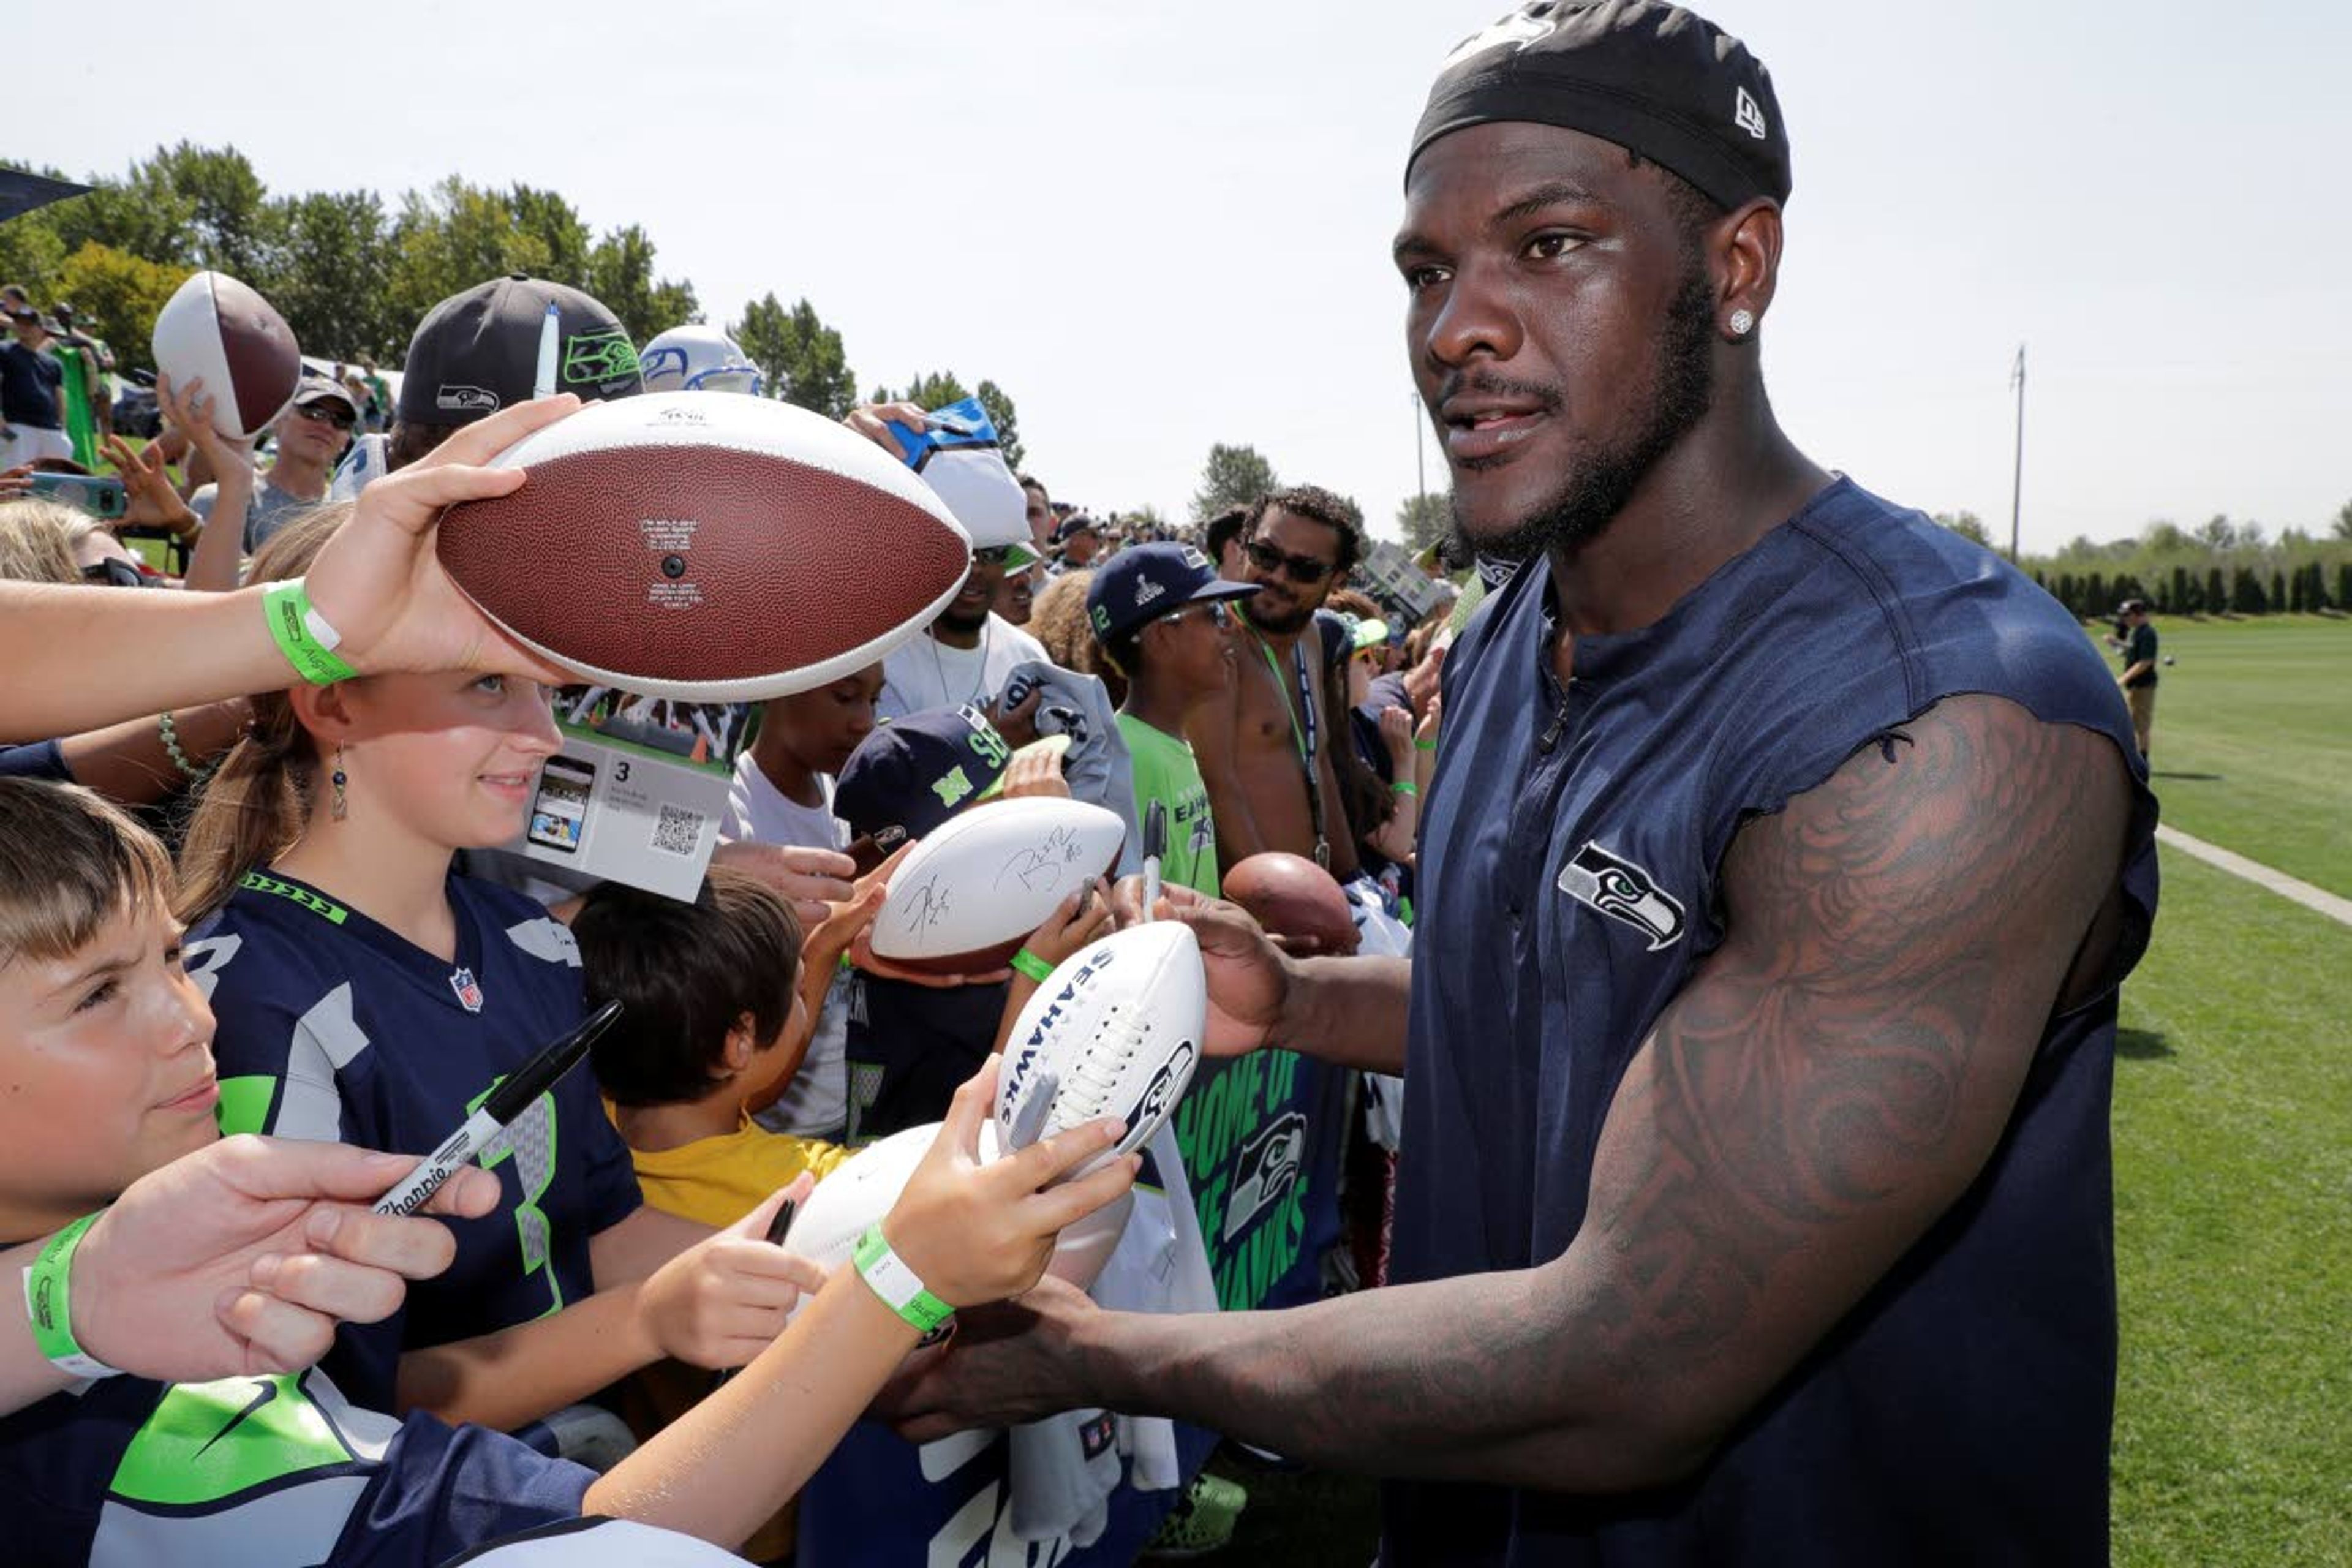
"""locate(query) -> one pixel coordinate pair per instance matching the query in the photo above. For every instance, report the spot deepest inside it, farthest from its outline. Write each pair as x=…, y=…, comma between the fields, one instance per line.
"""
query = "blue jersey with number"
x=259, y=1472
x=1571, y=883
x=333, y=1027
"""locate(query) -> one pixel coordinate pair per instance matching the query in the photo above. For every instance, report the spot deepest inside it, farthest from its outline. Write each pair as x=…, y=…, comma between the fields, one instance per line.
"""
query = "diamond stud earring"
x=1741, y=324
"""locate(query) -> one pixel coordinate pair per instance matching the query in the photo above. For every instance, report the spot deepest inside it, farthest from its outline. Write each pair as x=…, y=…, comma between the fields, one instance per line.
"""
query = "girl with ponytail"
x=365, y=993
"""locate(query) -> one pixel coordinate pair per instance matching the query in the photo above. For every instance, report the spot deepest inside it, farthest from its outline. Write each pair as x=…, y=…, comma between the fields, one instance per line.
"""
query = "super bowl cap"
x=916, y=772
x=478, y=352
x=1145, y=581
x=1654, y=78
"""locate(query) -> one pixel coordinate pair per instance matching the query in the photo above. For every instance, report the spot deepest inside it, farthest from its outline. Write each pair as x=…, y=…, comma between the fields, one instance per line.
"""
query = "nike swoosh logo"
x=268, y=1391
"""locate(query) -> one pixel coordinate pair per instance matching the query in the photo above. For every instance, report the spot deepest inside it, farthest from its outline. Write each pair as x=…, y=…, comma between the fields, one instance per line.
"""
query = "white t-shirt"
x=817, y=1103
x=925, y=673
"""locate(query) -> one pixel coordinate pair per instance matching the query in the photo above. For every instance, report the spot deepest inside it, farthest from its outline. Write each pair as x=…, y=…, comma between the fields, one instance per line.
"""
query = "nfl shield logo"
x=468, y=990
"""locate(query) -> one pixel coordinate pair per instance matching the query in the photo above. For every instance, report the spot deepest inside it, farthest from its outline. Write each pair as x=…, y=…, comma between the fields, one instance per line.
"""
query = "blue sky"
x=1162, y=226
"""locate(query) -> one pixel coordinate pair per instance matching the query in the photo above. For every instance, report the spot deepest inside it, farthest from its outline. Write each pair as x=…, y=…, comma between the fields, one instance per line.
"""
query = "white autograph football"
x=967, y=897
x=1117, y=1031
x=862, y=1188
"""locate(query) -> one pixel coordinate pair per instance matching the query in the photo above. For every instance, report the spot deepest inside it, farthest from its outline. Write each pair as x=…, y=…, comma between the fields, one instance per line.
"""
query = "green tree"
x=2218, y=533
x=2344, y=520
x=334, y=276
x=800, y=355
x=556, y=224
x=231, y=225
x=1002, y=414
x=1422, y=519
x=453, y=237
x=121, y=295
x=1968, y=525
x=2217, y=592
x=1234, y=476
x=621, y=275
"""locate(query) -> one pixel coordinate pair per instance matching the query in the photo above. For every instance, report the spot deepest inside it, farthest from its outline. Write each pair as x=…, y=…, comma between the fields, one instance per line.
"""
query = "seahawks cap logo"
x=1622, y=890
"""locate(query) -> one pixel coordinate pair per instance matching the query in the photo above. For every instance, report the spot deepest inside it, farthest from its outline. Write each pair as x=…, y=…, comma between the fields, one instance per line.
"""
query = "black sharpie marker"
x=505, y=1102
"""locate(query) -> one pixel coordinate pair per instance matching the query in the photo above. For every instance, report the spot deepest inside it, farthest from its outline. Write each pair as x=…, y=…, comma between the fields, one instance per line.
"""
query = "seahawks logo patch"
x=1622, y=890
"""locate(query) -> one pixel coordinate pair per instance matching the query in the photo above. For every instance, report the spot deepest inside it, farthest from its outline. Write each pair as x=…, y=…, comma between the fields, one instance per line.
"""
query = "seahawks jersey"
x=333, y=1027
x=259, y=1472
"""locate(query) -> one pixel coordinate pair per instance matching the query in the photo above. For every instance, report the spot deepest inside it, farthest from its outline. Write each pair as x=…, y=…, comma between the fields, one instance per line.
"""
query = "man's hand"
x=188, y=410
x=1249, y=977
x=870, y=419
x=814, y=880
x=378, y=582
x=241, y=1258
x=1008, y=1363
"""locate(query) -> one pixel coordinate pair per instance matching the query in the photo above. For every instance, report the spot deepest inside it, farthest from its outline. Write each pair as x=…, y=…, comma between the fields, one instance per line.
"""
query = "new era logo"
x=1748, y=115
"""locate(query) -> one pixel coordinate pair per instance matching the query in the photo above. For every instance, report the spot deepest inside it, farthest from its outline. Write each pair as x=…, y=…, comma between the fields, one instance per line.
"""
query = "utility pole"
x=2017, y=475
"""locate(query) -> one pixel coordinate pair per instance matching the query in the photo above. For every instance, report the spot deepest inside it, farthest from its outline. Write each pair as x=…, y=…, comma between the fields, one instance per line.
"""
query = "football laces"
x=1101, y=1069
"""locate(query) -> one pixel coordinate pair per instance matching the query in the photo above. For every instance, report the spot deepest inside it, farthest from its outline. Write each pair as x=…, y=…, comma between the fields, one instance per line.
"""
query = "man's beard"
x=1264, y=617
x=1591, y=495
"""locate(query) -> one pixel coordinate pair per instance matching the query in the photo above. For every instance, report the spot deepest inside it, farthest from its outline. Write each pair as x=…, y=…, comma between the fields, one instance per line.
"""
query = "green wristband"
x=303, y=634
x=1404, y=786
x=891, y=1279
x=1035, y=968
x=49, y=1302
x=1425, y=745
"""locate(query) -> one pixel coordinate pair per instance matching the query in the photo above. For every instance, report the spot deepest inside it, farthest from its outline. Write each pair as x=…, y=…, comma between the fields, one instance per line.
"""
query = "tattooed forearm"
x=1832, y=1080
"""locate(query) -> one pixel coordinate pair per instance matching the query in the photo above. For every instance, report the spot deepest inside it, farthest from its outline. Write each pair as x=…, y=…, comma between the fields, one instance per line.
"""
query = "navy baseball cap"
x=1145, y=581
x=916, y=772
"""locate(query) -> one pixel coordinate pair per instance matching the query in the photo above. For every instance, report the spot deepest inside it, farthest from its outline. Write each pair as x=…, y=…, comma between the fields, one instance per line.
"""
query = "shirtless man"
x=1298, y=544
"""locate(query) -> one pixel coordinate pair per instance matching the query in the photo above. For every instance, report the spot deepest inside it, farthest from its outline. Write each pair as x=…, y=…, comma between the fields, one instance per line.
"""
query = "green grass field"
x=2232, y=1144
x=2254, y=739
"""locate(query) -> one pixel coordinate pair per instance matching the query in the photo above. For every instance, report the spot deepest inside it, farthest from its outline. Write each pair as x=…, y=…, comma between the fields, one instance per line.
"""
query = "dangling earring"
x=339, y=806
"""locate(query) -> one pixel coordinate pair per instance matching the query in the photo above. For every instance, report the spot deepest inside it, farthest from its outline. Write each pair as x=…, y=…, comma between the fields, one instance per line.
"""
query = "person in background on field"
x=2136, y=637
x=1221, y=540
x=311, y=436
x=32, y=390
x=1159, y=616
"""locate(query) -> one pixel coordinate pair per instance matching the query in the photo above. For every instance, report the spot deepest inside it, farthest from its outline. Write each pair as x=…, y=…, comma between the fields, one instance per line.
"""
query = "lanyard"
x=1305, y=740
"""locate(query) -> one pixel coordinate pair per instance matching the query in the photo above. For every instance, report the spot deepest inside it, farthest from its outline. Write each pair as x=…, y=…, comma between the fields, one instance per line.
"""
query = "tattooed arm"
x=1833, y=1078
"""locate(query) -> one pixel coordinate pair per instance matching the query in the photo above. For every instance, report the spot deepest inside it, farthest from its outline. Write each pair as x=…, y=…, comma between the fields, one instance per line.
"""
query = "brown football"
x=707, y=547
x=1291, y=896
x=217, y=330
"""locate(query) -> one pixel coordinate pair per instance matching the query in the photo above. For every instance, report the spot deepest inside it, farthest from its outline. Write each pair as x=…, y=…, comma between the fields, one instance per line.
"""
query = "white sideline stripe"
x=2262, y=876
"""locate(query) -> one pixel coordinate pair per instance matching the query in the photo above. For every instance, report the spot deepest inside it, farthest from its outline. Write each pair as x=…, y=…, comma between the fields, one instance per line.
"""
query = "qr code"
x=678, y=831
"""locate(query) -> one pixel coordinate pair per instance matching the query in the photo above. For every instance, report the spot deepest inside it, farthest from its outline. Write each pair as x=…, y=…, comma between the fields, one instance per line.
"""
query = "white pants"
x=26, y=444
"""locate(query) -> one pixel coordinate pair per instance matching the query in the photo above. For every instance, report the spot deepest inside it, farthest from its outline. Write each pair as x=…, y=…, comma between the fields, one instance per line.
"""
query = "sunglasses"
x=1214, y=611
x=326, y=414
x=994, y=555
x=1303, y=569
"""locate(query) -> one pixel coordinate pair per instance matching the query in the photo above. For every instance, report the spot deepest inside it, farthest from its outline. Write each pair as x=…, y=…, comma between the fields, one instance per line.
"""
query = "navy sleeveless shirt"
x=1960, y=1412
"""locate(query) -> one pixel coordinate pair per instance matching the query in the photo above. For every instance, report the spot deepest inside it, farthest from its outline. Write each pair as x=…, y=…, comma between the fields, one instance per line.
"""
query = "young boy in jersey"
x=105, y=1044
x=1159, y=611
x=912, y=1038
x=782, y=794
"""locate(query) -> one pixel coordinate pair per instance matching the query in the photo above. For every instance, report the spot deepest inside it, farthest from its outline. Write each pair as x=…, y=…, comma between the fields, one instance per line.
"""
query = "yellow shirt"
x=717, y=1181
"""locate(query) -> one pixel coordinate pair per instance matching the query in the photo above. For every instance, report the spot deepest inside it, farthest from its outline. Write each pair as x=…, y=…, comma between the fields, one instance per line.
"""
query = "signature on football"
x=1043, y=863
x=927, y=905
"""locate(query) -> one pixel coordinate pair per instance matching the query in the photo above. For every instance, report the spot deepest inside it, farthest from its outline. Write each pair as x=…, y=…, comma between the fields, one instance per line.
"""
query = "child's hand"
x=1076, y=922
x=975, y=1233
x=1396, y=735
x=720, y=1302
x=843, y=922
x=1431, y=715
x=1034, y=774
